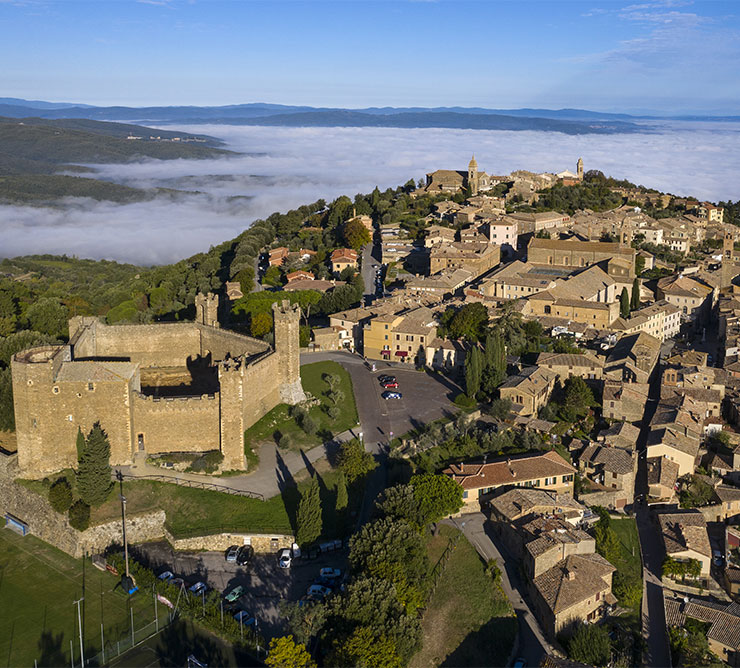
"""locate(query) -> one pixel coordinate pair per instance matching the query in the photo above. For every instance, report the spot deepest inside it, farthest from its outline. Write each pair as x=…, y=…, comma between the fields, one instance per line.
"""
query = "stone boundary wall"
x=262, y=543
x=53, y=528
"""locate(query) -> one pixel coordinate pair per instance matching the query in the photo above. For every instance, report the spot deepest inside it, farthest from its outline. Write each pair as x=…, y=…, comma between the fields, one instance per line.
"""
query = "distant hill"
x=571, y=121
x=33, y=150
x=454, y=117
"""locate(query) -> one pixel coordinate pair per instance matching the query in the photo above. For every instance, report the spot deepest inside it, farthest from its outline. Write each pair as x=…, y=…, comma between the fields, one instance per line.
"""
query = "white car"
x=285, y=559
x=318, y=591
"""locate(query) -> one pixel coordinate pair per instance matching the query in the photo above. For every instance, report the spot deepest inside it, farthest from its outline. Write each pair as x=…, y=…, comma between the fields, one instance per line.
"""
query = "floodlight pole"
x=119, y=476
x=79, y=624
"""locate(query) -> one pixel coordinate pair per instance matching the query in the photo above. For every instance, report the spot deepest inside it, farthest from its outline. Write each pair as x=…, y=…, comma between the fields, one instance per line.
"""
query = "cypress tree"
x=342, y=498
x=635, y=301
x=499, y=358
x=80, y=443
x=624, y=304
x=473, y=371
x=93, y=469
x=309, y=515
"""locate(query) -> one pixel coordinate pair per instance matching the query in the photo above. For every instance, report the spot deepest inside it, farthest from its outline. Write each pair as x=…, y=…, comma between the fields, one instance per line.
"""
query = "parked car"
x=231, y=554
x=285, y=558
x=520, y=663
x=330, y=573
x=243, y=617
x=318, y=591
x=391, y=395
x=177, y=582
x=385, y=378
x=166, y=576
x=390, y=383
x=199, y=588
x=718, y=558
x=244, y=555
x=234, y=594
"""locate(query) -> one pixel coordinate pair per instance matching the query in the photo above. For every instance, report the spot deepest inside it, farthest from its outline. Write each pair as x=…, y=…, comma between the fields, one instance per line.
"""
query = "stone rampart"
x=262, y=543
x=53, y=528
x=222, y=342
x=176, y=424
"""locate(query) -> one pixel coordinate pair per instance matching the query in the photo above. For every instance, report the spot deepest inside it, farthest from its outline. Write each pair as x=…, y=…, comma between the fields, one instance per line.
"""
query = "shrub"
x=464, y=400
x=208, y=462
x=60, y=495
x=309, y=425
x=79, y=515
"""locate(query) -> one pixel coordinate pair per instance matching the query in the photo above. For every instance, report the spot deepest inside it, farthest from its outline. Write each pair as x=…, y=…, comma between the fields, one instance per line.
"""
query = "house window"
x=548, y=310
x=550, y=481
x=55, y=390
x=90, y=387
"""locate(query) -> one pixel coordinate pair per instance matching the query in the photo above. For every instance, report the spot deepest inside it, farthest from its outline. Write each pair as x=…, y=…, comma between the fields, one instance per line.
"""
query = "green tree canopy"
x=366, y=649
x=48, y=316
x=356, y=235
x=93, y=469
x=590, y=644
x=624, y=304
x=309, y=518
x=284, y=652
x=437, y=495
x=354, y=461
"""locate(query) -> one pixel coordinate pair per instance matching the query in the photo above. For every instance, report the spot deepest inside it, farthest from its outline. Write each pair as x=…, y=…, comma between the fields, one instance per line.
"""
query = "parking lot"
x=266, y=585
x=425, y=397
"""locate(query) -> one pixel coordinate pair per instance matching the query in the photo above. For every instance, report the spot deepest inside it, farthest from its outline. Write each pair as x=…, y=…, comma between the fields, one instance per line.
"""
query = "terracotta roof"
x=586, y=360
x=561, y=592
x=613, y=460
x=509, y=471
x=521, y=501
x=662, y=471
x=685, y=531
x=724, y=618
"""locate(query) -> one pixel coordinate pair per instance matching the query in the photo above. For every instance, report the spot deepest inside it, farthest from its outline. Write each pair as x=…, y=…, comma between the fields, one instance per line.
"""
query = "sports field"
x=38, y=587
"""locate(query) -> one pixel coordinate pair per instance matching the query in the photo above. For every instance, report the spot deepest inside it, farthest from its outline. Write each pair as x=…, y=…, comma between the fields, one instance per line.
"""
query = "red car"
x=389, y=383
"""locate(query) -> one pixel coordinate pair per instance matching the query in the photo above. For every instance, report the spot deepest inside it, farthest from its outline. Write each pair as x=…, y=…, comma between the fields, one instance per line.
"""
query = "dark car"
x=385, y=378
x=244, y=555
x=391, y=395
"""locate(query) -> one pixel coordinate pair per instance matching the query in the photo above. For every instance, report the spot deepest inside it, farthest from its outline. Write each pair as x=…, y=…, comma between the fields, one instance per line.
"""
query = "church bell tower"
x=473, y=176
x=579, y=168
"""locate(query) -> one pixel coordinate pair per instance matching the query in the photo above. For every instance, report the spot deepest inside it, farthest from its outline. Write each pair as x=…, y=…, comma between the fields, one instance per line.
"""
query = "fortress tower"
x=579, y=168
x=287, y=319
x=473, y=176
x=206, y=309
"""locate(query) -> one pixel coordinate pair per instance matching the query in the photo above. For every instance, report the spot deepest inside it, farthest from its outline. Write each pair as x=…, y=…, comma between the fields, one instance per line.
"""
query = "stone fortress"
x=159, y=388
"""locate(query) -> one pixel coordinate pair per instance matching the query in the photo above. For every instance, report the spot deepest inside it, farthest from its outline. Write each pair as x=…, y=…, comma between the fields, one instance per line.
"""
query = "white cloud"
x=285, y=167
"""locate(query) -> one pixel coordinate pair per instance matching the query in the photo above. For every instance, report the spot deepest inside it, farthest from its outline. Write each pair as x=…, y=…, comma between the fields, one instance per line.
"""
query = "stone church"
x=450, y=180
x=167, y=387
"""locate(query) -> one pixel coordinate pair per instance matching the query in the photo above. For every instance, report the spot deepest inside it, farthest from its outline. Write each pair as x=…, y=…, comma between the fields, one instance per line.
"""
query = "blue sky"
x=666, y=56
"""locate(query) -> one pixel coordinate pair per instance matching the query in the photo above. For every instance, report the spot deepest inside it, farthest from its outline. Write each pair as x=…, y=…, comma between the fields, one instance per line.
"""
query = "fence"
x=439, y=567
x=184, y=482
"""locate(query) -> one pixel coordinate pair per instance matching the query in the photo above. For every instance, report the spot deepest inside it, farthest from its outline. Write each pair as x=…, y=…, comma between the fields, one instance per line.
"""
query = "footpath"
x=276, y=468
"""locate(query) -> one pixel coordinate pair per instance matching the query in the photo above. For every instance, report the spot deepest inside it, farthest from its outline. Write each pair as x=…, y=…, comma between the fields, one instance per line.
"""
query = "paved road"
x=531, y=643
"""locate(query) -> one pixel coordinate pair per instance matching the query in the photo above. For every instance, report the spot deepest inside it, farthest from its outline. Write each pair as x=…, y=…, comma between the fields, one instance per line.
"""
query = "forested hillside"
x=34, y=150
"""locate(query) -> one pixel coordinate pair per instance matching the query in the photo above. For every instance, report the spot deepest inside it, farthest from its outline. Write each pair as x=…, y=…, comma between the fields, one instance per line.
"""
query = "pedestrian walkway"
x=531, y=643
x=276, y=469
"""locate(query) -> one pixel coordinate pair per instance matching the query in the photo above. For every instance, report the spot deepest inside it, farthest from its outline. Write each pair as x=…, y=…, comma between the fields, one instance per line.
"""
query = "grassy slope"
x=468, y=621
x=195, y=511
x=38, y=585
x=629, y=562
x=278, y=421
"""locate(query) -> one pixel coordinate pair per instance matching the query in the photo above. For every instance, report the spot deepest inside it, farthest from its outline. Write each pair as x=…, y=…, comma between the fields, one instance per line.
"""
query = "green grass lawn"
x=469, y=621
x=626, y=530
x=193, y=511
x=38, y=587
x=278, y=421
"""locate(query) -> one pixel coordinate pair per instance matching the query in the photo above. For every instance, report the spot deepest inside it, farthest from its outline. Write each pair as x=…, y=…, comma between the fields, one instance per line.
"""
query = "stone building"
x=572, y=253
x=168, y=387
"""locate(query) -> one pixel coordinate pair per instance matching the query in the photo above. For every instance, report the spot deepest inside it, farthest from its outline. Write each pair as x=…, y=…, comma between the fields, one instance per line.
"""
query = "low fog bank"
x=287, y=167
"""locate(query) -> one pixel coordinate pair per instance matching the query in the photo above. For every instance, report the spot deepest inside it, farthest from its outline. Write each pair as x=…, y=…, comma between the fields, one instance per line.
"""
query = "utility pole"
x=79, y=624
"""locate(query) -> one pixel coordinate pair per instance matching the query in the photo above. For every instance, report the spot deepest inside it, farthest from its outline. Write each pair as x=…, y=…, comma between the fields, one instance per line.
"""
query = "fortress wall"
x=221, y=341
x=168, y=344
x=48, y=414
x=84, y=340
x=176, y=424
x=261, y=389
